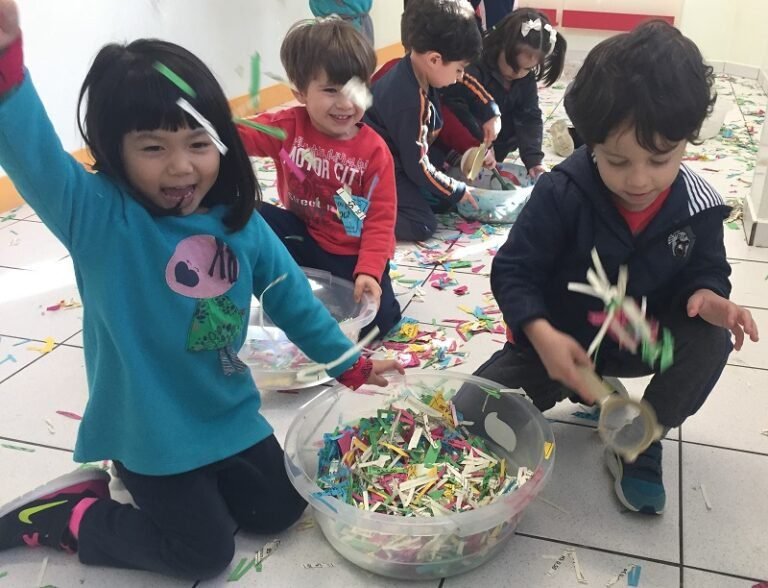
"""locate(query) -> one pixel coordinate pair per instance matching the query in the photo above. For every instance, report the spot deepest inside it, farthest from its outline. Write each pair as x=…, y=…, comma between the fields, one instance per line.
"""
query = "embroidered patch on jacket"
x=681, y=242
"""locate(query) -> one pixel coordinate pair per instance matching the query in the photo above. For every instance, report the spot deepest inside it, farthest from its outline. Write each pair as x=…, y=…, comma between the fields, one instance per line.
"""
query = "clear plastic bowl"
x=498, y=206
x=421, y=547
x=275, y=362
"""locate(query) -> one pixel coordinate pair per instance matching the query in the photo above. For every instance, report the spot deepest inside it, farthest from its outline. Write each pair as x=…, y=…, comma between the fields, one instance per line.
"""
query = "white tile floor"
x=721, y=448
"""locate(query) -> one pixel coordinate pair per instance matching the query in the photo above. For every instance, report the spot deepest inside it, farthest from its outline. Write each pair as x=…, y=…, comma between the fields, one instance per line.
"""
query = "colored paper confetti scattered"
x=629, y=569
x=242, y=568
x=263, y=553
x=63, y=304
x=9, y=358
x=69, y=415
x=316, y=566
x=46, y=348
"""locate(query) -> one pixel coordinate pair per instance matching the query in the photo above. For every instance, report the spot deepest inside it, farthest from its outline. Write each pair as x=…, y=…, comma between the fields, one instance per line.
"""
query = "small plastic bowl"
x=275, y=362
x=498, y=206
x=423, y=547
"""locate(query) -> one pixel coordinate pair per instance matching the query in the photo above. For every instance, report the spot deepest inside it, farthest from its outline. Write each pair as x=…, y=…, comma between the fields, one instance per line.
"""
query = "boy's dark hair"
x=507, y=38
x=445, y=26
x=652, y=78
x=326, y=44
x=126, y=93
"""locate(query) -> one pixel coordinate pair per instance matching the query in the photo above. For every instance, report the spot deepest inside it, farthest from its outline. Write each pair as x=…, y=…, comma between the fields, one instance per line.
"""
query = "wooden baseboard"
x=269, y=97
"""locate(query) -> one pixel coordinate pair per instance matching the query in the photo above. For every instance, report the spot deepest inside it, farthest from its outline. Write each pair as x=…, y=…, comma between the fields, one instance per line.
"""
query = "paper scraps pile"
x=623, y=319
x=415, y=459
x=413, y=344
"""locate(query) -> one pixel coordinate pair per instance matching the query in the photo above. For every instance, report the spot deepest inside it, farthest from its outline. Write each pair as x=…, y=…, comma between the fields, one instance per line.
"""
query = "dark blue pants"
x=184, y=525
x=307, y=253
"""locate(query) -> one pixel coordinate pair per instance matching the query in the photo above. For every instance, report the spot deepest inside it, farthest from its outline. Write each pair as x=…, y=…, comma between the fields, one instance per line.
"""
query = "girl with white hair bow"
x=518, y=53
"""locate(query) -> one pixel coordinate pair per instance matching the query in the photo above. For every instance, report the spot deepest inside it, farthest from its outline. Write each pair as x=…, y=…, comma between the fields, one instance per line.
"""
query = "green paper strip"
x=175, y=79
x=239, y=570
x=17, y=448
x=667, y=351
x=267, y=130
x=255, y=79
x=3, y=574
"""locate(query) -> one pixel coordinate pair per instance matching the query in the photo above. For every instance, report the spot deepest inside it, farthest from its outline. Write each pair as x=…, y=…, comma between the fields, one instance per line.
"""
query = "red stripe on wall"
x=608, y=21
x=550, y=13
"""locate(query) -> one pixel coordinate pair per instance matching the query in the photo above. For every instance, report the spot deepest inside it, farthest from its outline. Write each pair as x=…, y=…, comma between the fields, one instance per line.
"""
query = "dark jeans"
x=308, y=253
x=184, y=524
x=701, y=352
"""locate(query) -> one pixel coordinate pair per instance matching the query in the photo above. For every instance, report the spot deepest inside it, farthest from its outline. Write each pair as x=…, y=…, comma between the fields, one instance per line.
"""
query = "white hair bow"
x=530, y=25
x=552, y=37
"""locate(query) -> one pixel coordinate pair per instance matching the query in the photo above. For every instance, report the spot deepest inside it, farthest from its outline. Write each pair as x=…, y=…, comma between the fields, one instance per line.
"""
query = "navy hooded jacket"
x=570, y=212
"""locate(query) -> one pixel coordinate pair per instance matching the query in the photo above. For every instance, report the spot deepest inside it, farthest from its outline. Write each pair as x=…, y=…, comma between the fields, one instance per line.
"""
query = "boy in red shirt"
x=335, y=174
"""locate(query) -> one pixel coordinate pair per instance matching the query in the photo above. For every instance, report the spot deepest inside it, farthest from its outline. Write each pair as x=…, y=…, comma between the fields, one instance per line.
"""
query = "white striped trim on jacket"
x=701, y=194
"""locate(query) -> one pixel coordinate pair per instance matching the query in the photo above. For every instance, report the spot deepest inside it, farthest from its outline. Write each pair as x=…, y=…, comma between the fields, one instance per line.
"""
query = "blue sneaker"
x=639, y=485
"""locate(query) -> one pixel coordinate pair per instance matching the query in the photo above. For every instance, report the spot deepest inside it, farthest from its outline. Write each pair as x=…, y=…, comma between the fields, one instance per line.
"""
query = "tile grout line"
x=726, y=574
x=598, y=549
x=696, y=443
x=680, y=504
x=36, y=444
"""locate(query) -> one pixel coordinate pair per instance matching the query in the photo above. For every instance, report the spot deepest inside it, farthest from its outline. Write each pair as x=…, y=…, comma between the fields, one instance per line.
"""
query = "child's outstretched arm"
x=409, y=135
x=377, y=236
x=521, y=269
x=474, y=106
x=73, y=203
x=529, y=127
x=258, y=143
x=287, y=298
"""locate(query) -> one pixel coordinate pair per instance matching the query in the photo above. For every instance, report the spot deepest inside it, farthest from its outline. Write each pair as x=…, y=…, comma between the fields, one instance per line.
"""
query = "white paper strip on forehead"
x=188, y=108
x=358, y=93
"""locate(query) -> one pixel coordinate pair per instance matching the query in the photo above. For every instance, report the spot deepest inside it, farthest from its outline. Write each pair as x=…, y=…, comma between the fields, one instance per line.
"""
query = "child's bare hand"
x=365, y=283
x=536, y=171
x=469, y=199
x=561, y=355
x=9, y=23
x=381, y=366
x=491, y=129
x=721, y=312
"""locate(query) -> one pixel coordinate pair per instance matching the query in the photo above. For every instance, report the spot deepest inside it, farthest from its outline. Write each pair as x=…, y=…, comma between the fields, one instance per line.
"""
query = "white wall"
x=385, y=15
x=62, y=37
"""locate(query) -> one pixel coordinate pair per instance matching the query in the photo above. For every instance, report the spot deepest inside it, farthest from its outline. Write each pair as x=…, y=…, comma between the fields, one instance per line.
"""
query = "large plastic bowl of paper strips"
x=497, y=205
x=275, y=362
x=408, y=495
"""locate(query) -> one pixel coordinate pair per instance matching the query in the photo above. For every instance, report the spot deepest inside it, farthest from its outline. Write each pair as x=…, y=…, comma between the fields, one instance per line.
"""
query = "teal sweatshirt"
x=148, y=285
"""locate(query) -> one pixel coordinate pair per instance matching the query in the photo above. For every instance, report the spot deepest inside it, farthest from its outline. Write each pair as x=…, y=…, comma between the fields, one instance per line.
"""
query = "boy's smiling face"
x=634, y=175
x=331, y=112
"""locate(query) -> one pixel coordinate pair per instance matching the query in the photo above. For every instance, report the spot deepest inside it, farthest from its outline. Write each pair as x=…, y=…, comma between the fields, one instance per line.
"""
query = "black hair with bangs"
x=507, y=38
x=125, y=92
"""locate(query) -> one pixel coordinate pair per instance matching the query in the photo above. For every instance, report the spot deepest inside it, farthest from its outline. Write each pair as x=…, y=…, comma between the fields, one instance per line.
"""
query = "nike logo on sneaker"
x=24, y=515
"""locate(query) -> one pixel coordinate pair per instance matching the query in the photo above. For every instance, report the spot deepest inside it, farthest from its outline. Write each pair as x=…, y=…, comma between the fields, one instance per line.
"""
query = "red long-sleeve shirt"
x=363, y=163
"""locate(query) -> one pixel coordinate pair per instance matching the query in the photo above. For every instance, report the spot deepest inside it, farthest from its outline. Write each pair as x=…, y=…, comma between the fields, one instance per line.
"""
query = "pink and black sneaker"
x=41, y=517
